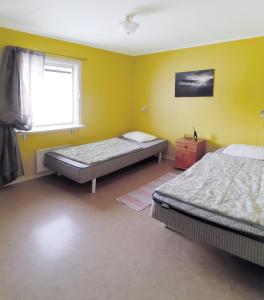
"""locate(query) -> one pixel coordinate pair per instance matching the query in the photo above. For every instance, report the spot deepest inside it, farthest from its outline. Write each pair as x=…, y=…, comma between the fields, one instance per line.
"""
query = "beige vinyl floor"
x=59, y=242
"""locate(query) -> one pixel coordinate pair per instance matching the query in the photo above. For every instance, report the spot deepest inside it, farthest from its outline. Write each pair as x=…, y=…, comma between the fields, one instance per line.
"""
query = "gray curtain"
x=19, y=67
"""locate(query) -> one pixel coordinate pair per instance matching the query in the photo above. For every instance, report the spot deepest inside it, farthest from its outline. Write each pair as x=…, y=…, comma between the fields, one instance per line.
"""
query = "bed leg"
x=94, y=186
x=160, y=156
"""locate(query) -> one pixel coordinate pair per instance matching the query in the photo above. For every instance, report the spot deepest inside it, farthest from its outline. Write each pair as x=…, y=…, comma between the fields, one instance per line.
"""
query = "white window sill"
x=51, y=129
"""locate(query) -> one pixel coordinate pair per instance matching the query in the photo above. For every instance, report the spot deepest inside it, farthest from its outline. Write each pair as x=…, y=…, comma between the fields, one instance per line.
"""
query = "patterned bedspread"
x=228, y=185
x=100, y=151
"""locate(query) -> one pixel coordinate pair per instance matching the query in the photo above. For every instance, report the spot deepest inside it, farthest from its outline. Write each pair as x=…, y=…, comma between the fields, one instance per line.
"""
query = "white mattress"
x=230, y=186
x=97, y=152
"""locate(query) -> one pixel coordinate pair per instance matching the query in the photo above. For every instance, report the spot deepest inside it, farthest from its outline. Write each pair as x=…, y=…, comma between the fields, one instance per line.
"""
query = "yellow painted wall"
x=231, y=116
x=106, y=93
x=116, y=86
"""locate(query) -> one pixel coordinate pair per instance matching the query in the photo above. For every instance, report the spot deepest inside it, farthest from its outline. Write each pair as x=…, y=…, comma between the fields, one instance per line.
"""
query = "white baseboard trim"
x=168, y=157
x=28, y=178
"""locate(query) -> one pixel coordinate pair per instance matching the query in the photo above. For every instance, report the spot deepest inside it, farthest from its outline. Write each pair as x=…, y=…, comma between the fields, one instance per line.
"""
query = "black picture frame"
x=195, y=83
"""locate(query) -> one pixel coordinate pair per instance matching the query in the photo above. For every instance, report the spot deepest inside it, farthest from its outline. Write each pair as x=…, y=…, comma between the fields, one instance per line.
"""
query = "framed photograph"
x=195, y=84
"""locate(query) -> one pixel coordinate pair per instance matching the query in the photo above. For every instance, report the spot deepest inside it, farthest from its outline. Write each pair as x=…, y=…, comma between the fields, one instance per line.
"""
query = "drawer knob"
x=185, y=146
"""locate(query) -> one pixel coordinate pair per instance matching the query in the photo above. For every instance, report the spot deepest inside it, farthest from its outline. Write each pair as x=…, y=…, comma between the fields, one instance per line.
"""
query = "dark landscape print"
x=195, y=84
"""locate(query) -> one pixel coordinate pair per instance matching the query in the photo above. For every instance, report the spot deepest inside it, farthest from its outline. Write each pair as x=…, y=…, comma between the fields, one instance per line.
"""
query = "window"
x=56, y=99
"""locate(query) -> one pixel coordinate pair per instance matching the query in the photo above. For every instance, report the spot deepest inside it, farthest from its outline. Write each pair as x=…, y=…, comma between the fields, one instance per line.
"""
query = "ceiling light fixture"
x=129, y=26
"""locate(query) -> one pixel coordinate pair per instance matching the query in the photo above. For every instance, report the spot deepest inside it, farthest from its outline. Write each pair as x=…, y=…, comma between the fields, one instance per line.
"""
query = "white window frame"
x=77, y=79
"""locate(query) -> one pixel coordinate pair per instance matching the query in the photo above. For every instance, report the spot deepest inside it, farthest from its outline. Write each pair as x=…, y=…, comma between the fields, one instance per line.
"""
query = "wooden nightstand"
x=188, y=152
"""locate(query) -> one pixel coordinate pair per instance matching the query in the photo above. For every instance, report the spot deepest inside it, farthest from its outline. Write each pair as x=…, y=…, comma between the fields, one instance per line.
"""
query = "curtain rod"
x=50, y=53
x=74, y=57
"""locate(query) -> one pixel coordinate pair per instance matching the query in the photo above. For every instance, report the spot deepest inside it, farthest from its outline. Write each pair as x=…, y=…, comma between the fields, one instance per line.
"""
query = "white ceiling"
x=164, y=24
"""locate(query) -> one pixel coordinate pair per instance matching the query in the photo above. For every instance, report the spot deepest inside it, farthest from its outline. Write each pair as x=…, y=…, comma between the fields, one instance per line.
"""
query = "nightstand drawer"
x=185, y=159
x=186, y=146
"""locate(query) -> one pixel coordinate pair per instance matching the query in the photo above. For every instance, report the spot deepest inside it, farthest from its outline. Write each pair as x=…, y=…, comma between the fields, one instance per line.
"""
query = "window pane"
x=55, y=105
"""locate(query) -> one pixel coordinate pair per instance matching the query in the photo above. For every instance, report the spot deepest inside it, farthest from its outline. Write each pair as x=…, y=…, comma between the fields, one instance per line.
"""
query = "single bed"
x=69, y=165
x=216, y=209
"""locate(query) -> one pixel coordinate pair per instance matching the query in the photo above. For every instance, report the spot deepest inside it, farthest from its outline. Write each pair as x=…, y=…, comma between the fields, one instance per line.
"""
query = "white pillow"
x=139, y=136
x=247, y=151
